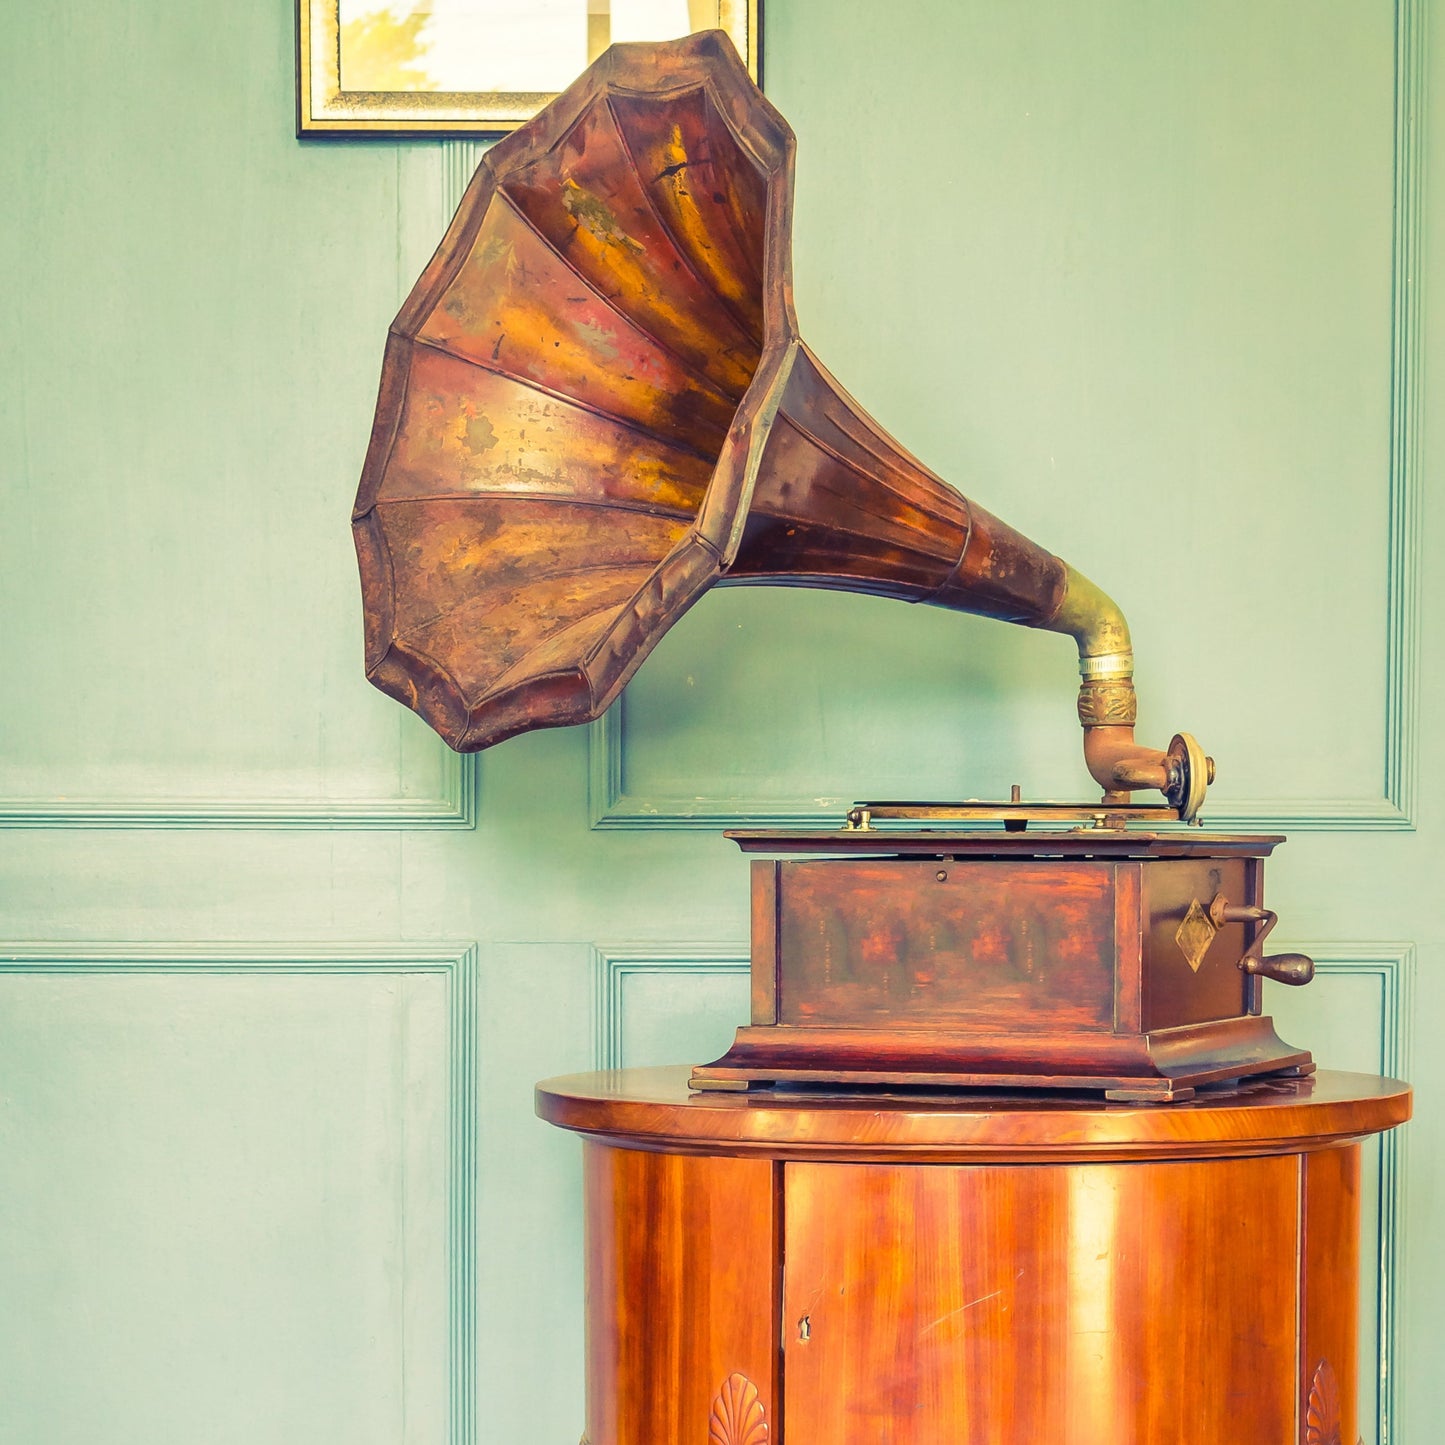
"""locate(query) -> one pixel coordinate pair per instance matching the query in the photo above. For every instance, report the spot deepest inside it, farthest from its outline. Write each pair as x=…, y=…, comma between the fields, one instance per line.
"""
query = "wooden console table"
x=946, y=1271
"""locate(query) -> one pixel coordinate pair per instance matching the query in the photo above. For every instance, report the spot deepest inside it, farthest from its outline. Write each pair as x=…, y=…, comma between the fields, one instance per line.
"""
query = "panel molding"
x=456, y=807
x=1402, y=654
x=611, y=806
x=456, y=963
x=460, y=159
x=614, y=964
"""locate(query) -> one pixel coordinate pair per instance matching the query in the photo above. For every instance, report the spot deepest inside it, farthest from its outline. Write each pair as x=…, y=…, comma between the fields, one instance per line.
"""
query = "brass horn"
x=595, y=405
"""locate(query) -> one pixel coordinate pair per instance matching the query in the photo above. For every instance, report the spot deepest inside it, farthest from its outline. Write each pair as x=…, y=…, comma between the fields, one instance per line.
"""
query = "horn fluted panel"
x=560, y=388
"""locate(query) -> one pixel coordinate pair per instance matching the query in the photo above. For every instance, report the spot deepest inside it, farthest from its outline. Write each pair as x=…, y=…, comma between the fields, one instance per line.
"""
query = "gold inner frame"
x=323, y=107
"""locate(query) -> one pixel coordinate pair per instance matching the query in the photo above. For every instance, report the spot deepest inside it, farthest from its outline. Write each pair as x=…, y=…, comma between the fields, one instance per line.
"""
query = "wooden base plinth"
x=1163, y=1066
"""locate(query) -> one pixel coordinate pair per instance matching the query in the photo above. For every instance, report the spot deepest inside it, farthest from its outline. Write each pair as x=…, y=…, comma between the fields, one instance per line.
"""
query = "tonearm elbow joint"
x=1108, y=708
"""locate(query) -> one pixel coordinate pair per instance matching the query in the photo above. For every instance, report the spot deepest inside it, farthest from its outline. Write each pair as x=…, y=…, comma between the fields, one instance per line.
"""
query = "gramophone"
x=594, y=407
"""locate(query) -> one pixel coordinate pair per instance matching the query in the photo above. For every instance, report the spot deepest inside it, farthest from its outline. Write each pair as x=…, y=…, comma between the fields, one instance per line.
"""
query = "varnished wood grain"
x=1330, y=1300
x=764, y=939
x=1175, y=994
x=653, y=1108
x=680, y=1294
x=1165, y=1065
x=1178, y=1297
x=906, y=942
x=1046, y=965
x=1008, y=1306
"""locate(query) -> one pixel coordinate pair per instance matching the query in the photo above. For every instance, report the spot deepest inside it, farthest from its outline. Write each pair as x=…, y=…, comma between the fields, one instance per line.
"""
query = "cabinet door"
x=680, y=1299
x=1083, y=1304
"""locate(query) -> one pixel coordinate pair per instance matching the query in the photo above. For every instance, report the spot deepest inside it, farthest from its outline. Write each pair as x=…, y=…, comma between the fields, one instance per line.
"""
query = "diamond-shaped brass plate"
x=1194, y=935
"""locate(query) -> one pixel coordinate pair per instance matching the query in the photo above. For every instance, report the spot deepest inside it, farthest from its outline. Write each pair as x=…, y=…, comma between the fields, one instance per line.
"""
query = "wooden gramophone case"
x=1096, y=959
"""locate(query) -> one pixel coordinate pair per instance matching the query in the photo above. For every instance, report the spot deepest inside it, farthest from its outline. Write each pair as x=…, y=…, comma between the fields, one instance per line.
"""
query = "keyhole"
x=805, y=1328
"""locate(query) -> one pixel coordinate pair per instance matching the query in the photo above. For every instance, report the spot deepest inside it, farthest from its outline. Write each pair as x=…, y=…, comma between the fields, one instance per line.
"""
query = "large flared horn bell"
x=595, y=405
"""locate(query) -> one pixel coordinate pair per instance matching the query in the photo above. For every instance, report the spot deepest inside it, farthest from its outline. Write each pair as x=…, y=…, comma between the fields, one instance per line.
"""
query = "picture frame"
x=472, y=67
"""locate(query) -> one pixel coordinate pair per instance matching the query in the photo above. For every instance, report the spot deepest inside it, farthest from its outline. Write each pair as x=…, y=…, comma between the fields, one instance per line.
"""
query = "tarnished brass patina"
x=1195, y=933
x=595, y=406
x=1290, y=968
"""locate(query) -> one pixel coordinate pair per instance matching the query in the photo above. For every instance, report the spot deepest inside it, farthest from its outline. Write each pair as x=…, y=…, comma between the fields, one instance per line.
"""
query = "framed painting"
x=470, y=67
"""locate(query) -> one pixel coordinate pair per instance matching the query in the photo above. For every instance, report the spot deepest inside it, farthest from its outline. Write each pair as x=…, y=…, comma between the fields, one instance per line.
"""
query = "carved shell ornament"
x=737, y=1417
x=1322, y=1410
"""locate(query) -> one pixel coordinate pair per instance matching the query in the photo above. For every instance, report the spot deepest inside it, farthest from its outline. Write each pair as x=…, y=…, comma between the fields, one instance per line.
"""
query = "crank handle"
x=1289, y=968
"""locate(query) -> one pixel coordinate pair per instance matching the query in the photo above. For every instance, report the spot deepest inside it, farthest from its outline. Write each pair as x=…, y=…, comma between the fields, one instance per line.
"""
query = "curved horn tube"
x=1107, y=702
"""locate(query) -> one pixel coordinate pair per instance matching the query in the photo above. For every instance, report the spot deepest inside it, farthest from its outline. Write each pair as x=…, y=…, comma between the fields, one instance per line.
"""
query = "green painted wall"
x=1150, y=281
